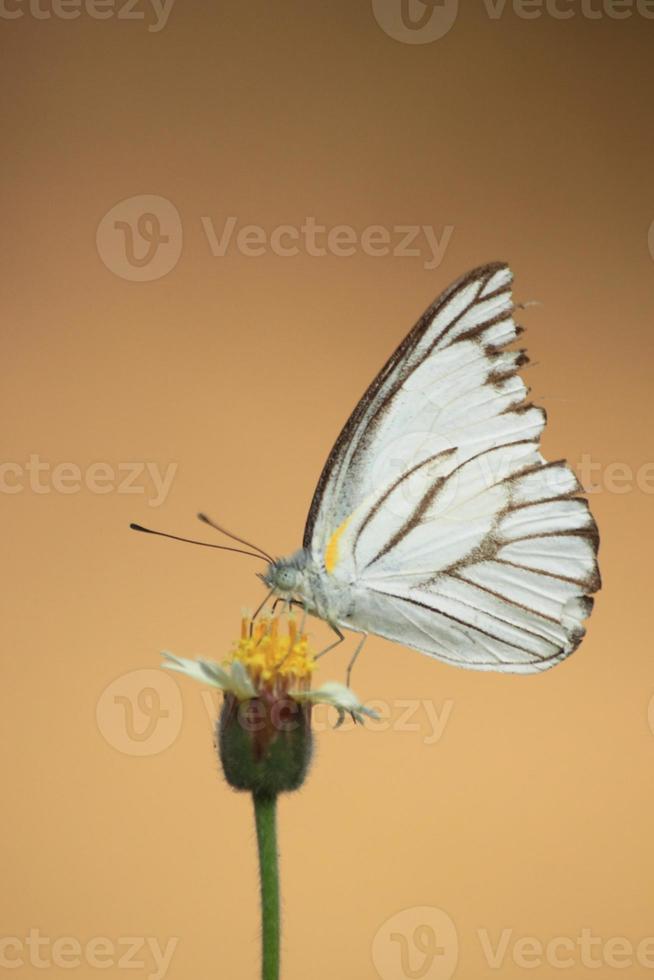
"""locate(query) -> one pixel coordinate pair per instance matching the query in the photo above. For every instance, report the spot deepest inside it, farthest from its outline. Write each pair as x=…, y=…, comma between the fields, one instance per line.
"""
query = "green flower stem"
x=265, y=813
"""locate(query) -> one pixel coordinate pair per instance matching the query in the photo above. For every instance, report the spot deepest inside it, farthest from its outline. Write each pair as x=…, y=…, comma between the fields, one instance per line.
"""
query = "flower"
x=266, y=661
x=264, y=731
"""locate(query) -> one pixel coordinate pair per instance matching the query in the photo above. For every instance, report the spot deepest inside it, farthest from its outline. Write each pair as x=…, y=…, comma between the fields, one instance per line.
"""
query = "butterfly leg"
x=291, y=603
x=359, y=648
x=331, y=646
x=303, y=621
x=258, y=610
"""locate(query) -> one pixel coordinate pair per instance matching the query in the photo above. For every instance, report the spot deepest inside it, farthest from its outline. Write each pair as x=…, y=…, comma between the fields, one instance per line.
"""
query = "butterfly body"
x=300, y=580
x=436, y=522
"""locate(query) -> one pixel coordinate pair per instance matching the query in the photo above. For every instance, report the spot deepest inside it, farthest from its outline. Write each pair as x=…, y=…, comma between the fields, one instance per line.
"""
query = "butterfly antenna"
x=234, y=537
x=203, y=544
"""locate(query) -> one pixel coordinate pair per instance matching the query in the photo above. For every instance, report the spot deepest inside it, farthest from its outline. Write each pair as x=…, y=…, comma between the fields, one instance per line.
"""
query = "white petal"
x=215, y=674
x=237, y=682
x=240, y=682
x=198, y=670
x=340, y=697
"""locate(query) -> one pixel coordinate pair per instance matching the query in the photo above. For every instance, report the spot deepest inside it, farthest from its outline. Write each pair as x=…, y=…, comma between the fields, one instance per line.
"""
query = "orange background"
x=533, y=139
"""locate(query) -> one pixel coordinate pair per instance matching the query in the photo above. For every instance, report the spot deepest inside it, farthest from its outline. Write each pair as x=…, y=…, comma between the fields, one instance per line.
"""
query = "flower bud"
x=265, y=743
x=263, y=734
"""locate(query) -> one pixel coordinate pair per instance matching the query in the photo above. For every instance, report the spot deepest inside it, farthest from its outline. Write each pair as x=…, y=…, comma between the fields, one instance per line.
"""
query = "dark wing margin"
x=401, y=356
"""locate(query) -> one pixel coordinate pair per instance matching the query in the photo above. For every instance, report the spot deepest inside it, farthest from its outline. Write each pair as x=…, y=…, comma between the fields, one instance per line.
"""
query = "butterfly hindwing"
x=437, y=508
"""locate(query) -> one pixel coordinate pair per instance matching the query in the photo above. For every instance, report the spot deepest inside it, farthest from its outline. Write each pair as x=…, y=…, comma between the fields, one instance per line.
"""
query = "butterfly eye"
x=286, y=579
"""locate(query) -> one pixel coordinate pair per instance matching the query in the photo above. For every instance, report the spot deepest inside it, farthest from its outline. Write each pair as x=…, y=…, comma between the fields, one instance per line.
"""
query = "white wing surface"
x=438, y=511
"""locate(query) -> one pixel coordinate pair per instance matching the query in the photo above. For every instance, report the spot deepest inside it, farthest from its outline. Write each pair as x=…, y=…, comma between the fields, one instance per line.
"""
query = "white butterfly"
x=436, y=522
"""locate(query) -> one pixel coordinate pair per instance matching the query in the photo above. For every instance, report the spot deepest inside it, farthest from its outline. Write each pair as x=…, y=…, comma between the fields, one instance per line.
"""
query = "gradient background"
x=533, y=139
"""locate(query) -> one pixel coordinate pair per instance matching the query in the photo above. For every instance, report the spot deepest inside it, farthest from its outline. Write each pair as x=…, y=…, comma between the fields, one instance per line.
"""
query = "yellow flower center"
x=276, y=659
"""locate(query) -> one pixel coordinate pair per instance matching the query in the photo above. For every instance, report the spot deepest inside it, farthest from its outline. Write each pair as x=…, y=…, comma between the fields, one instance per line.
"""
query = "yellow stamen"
x=276, y=659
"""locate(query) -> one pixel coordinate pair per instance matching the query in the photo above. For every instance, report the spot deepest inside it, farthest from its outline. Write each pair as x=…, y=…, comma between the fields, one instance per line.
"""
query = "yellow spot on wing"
x=331, y=551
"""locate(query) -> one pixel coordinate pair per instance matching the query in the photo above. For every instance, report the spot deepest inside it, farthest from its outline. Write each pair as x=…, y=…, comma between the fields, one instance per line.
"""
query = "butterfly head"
x=285, y=575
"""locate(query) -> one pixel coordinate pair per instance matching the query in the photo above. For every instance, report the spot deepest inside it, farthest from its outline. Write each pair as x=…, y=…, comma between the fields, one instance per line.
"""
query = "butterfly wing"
x=437, y=509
